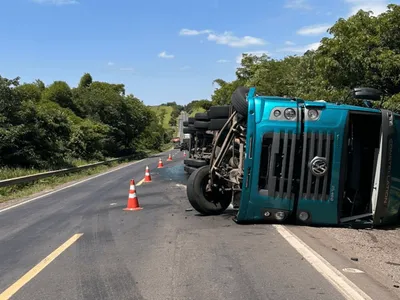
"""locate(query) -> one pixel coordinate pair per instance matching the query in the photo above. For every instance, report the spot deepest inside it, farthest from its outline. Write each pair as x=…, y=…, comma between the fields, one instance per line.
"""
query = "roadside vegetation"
x=45, y=128
x=362, y=50
x=197, y=106
x=46, y=184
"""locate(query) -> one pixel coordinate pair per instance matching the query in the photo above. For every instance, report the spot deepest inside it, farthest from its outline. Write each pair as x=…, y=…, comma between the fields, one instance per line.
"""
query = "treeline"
x=49, y=127
x=197, y=104
x=176, y=110
x=362, y=50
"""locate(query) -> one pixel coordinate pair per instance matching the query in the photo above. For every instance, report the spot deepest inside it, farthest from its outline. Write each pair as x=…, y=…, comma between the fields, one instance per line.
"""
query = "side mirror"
x=365, y=93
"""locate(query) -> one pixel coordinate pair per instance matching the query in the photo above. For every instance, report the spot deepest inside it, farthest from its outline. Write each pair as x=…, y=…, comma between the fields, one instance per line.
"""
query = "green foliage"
x=50, y=127
x=164, y=115
x=363, y=51
x=86, y=81
x=198, y=105
x=196, y=110
x=29, y=91
x=222, y=95
x=59, y=92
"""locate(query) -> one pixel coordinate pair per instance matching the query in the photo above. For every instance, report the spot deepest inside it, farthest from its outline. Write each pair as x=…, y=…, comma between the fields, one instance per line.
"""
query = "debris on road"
x=354, y=258
x=376, y=250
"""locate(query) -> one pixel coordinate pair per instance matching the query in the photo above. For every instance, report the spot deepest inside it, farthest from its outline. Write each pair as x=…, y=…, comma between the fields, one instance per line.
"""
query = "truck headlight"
x=290, y=113
x=280, y=215
x=303, y=216
x=277, y=113
x=313, y=114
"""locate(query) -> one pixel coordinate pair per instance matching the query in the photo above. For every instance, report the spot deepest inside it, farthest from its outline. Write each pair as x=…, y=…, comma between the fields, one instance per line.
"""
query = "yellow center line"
x=8, y=293
x=140, y=182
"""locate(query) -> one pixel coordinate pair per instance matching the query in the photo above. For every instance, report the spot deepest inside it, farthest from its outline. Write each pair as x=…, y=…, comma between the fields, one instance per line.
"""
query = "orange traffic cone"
x=160, y=164
x=169, y=157
x=147, y=177
x=133, y=201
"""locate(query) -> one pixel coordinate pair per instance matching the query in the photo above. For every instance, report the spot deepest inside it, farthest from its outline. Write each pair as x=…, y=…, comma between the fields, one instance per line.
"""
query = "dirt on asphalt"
x=377, y=251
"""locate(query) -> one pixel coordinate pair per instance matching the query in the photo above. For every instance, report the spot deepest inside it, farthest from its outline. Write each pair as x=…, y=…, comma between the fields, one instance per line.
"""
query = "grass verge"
x=26, y=189
x=30, y=188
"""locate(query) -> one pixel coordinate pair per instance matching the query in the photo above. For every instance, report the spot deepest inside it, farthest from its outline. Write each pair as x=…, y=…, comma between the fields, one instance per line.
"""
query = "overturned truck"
x=203, y=129
x=287, y=160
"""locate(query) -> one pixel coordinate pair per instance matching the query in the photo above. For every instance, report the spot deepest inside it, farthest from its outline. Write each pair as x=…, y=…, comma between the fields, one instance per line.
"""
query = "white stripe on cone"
x=132, y=195
x=132, y=187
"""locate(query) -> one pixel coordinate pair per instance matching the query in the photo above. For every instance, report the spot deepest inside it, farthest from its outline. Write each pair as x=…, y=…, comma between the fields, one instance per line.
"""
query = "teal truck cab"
x=306, y=162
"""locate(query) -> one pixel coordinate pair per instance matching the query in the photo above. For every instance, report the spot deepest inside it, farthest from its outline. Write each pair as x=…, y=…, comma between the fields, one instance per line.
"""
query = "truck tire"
x=201, y=117
x=201, y=124
x=188, y=169
x=218, y=112
x=191, y=120
x=185, y=123
x=196, y=163
x=205, y=203
x=239, y=100
x=189, y=130
x=217, y=124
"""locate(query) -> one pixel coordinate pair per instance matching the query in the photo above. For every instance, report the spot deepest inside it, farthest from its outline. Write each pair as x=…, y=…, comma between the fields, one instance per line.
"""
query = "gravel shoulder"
x=374, y=251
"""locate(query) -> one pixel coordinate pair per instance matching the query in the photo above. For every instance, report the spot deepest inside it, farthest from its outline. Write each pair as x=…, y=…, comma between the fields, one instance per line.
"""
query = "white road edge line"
x=347, y=288
x=74, y=184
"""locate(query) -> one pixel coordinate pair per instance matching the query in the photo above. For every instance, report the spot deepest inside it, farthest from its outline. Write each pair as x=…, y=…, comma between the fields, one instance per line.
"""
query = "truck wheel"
x=212, y=203
x=201, y=116
x=188, y=130
x=217, y=124
x=196, y=163
x=239, y=100
x=218, y=112
x=201, y=124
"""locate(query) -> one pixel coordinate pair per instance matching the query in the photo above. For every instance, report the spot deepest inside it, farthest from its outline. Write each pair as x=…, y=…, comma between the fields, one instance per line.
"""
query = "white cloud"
x=110, y=63
x=301, y=49
x=314, y=29
x=376, y=6
x=297, y=4
x=56, y=2
x=165, y=55
x=222, y=61
x=126, y=69
x=226, y=38
x=185, y=68
x=193, y=32
x=255, y=53
x=289, y=43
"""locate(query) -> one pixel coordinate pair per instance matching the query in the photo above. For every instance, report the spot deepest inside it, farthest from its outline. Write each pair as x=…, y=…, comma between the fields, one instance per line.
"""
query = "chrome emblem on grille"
x=318, y=166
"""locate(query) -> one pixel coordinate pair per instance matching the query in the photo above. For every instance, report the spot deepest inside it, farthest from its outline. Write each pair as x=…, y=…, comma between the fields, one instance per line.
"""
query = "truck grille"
x=316, y=144
x=277, y=165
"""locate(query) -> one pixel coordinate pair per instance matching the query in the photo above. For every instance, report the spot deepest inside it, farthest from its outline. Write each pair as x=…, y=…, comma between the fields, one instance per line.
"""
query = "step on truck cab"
x=305, y=162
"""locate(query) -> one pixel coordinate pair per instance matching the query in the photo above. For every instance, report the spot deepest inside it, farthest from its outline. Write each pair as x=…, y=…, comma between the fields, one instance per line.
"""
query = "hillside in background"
x=164, y=114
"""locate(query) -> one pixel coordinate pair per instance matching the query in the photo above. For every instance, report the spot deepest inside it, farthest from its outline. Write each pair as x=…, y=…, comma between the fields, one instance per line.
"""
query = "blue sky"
x=162, y=50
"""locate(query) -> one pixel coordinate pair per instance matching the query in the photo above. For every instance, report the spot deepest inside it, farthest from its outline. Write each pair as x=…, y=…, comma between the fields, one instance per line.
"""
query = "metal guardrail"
x=34, y=177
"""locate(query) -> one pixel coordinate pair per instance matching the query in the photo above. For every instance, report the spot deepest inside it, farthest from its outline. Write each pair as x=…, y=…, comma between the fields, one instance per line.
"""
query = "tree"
x=59, y=92
x=40, y=85
x=29, y=91
x=222, y=95
x=86, y=81
x=360, y=53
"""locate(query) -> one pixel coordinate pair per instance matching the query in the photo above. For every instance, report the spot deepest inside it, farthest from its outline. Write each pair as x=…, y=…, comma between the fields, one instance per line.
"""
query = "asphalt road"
x=160, y=252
